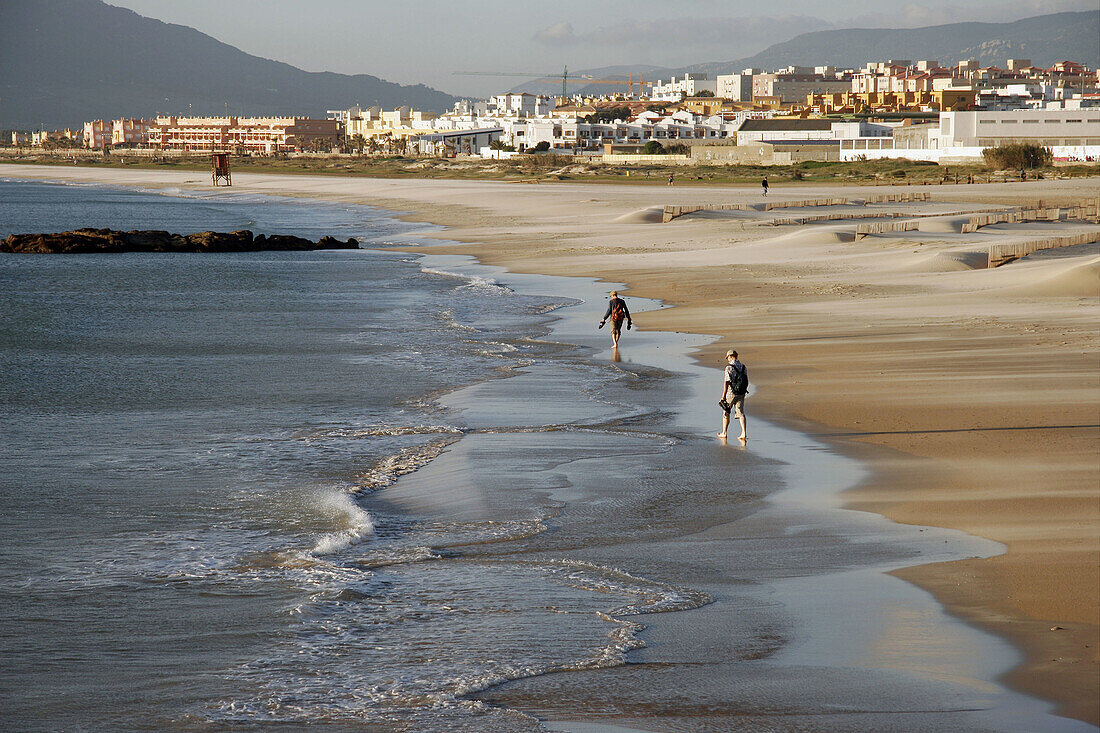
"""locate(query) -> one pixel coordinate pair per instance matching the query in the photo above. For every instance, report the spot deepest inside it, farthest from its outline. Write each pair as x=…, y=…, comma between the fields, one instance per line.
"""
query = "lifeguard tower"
x=220, y=164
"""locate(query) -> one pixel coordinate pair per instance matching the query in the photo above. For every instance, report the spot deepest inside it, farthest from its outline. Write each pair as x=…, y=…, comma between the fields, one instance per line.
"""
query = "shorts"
x=737, y=404
x=616, y=327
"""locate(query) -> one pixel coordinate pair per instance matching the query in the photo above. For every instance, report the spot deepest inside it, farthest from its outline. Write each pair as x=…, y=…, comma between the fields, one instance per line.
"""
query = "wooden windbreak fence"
x=1087, y=210
x=898, y=198
x=804, y=203
x=672, y=212
x=881, y=227
x=999, y=254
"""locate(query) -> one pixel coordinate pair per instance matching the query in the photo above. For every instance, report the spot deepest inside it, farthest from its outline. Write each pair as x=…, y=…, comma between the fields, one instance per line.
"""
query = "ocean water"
x=195, y=448
x=369, y=490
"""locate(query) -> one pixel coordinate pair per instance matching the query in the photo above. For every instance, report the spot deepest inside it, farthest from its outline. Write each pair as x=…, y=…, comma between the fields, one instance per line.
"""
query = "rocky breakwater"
x=83, y=241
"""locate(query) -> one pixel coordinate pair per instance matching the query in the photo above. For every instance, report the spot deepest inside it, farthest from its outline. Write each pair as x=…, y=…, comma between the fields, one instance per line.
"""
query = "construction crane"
x=565, y=77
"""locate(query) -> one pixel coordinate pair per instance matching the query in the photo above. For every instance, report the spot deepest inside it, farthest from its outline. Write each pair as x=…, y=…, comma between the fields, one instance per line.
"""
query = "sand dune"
x=950, y=261
x=820, y=235
x=944, y=224
x=1071, y=280
x=649, y=215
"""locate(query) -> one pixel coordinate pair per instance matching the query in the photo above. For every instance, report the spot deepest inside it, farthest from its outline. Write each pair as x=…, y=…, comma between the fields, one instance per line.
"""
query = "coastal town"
x=898, y=109
x=371, y=366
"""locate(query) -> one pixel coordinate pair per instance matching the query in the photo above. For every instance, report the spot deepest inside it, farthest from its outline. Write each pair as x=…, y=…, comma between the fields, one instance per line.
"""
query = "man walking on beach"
x=617, y=312
x=735, y=383
x=764, y=183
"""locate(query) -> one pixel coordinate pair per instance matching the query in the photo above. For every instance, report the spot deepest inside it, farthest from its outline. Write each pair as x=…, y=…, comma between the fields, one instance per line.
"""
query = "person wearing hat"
x=617, y=312
x=735, y=383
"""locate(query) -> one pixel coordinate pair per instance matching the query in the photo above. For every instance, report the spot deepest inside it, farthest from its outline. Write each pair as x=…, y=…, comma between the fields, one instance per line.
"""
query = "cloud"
x=559, y=34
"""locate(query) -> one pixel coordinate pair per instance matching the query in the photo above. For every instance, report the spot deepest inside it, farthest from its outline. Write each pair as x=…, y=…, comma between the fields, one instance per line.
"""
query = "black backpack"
x=740, y=382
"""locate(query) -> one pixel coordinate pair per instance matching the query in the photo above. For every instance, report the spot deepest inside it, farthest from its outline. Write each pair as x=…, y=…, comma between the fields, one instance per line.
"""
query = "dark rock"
x=109, y=240
x=241, y=241
x=333, y=243
x=285, y=242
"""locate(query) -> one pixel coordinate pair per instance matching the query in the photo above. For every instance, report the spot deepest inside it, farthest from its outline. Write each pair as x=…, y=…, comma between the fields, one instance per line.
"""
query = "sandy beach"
x=970, y=394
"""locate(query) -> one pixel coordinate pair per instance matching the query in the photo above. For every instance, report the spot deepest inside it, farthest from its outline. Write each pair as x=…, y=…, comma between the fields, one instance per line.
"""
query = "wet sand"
x=780, y=644
x=971, y=395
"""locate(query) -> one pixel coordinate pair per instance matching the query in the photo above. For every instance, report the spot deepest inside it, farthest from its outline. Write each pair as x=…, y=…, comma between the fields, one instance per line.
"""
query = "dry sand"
x=973, y=394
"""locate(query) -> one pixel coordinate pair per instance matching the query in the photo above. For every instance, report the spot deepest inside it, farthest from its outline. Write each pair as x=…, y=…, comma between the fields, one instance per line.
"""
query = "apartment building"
x=520, y=105
x=577, y=135
x=372, y=122
x=736, y=87
x=923, y=101
x=97, y=134
x=39, y=138
x=794, y=88
x=690, y=85
x=130, y=131
x=244, y=134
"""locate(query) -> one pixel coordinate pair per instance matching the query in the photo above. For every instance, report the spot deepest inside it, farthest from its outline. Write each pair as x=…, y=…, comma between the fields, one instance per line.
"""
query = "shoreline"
x=974, y=590
x=826, y=632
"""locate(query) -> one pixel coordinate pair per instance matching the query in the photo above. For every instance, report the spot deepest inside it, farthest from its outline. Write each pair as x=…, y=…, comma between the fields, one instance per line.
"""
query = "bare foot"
x=743, y=438
x=721, y=435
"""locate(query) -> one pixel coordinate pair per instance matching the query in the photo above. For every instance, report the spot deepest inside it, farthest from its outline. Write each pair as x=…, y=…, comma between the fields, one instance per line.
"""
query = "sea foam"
x=343, y=510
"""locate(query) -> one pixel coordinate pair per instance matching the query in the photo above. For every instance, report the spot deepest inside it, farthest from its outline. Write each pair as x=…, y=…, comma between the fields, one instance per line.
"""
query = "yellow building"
x=400, y=122
x=713, y=105
x=943, y=100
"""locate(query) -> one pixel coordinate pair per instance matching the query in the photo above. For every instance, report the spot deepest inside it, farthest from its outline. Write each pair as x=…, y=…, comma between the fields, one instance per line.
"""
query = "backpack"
x=740, y=382
x=618, y=313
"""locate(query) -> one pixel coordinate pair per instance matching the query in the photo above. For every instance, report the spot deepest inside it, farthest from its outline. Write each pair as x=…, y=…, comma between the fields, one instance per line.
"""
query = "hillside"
x=66, y=61
x=1044, y=39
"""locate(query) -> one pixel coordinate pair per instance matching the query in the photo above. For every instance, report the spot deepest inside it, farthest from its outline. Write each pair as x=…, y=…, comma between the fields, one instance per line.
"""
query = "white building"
x=737, y=87
x=793, y=129
x=1053, y=128
x=519, y=105
x=574, y=135
x=676, y=89
x=1071, y=134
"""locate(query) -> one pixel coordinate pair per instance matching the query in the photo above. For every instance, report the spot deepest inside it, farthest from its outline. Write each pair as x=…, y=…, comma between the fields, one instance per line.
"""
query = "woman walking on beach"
x=764, y=183
x=617, y=312
x=735, y=383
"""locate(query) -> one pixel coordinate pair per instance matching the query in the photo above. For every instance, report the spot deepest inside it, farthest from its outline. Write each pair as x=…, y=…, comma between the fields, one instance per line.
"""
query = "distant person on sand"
x=617, y=312
x=764, y=183
x=670, y=179
x=735, y=383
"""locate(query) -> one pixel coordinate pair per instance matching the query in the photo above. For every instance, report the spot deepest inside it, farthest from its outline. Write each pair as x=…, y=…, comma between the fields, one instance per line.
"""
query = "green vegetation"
x=550, y=166
x=609, y=114
x=653, y=148
x=1018, y=156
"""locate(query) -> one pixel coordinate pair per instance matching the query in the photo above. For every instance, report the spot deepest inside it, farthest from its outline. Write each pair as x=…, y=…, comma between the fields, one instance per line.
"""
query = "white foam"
x=474, y=282
x=343, y=509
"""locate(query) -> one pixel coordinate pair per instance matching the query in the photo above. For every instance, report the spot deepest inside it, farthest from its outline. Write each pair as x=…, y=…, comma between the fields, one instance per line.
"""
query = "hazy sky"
x=426, y=41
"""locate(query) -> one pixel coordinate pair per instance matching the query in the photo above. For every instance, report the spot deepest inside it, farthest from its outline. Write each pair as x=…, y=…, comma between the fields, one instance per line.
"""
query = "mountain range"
x=66, y=61
x=1044, y=39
